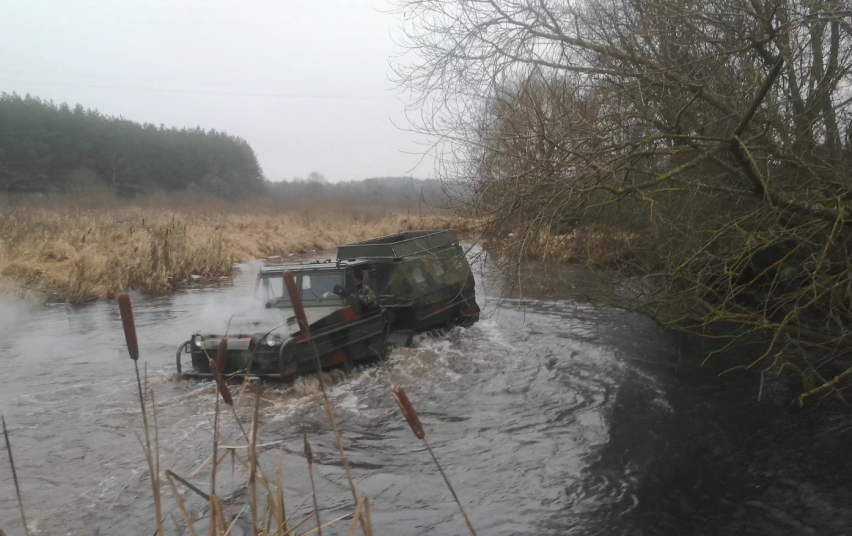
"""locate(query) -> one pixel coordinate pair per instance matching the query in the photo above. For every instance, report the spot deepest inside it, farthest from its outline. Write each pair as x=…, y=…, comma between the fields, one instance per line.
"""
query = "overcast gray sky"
x=207, y=63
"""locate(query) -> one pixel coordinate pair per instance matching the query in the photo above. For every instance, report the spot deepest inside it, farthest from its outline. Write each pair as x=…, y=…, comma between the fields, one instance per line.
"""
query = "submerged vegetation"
x=98, y=249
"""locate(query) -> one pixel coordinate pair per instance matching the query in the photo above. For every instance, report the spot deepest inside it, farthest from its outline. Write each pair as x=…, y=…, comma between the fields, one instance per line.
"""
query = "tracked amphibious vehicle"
x=421, y=281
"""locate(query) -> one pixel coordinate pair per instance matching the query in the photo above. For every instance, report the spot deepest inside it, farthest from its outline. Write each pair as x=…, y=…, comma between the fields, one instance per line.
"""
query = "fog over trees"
x=394, y=192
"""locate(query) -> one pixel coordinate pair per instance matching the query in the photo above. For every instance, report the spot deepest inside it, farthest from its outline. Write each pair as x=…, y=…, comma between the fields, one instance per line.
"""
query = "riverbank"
x=77, y=249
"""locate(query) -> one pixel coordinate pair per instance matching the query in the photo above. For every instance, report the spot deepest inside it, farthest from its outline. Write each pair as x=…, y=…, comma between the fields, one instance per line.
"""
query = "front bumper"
x=244, y=358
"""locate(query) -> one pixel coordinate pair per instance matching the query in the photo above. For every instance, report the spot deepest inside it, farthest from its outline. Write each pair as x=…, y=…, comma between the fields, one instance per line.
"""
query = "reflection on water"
x=557, y=418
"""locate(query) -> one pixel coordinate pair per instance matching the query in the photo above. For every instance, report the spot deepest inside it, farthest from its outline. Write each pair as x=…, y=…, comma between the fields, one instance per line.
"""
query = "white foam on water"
x=452, y=376
x=492, y=332
x=348, y=402
x=283, y=415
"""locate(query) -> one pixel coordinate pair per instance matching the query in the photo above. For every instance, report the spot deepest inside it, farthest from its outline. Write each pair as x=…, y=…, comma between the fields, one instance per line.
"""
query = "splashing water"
x=558, y=418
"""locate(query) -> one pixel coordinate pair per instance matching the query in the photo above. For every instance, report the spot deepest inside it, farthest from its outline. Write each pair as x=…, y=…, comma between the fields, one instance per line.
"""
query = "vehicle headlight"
x=270, y=341
x=197, y=340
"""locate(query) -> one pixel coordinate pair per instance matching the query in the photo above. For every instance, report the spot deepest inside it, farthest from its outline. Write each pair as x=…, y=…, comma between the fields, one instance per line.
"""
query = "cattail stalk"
x=310, y=457
x=361, y=506
x=216, y=507
x=233, y=484
x=221, y=389
x=156, y=431
x=221, y=357
x=280, y=511
x=304, y=327
x=267, y=514
x=410, y=415
x=253, y=459
x=129, y=326
x=14, y=475
x=185, y=482
x=186, y=517
x=211, y=531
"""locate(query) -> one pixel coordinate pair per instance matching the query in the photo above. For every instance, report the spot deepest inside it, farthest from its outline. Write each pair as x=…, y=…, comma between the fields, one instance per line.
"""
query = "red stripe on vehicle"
x=301, y=338
x=338, y=358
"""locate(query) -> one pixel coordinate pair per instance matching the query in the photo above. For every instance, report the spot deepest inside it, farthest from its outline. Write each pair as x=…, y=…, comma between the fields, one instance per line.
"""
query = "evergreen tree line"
x=44, y=146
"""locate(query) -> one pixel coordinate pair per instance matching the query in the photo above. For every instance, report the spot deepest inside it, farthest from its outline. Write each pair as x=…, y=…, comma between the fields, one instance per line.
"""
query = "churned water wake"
x=556, y=418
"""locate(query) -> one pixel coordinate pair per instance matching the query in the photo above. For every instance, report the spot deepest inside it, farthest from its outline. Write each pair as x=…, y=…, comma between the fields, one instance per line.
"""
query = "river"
x=550, y=418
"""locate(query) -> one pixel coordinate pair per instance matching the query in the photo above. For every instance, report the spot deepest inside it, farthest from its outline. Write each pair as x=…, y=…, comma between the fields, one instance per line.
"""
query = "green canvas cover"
x=431, y=278
x=399, y=245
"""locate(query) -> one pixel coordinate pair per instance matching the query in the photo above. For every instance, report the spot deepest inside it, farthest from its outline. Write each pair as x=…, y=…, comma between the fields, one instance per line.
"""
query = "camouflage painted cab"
x=422, y=278
x=266, y=343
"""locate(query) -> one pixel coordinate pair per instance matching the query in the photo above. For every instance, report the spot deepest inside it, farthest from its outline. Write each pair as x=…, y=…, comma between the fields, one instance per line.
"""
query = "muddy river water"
x=551, y=418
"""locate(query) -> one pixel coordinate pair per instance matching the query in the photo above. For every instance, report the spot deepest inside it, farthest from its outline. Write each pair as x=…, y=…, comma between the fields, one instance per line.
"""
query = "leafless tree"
x=717, y=132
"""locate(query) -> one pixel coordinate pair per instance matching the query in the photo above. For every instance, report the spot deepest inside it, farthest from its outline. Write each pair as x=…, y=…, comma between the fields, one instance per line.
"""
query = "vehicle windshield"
x=315, y=288
x=273, y=290
x=320, y=287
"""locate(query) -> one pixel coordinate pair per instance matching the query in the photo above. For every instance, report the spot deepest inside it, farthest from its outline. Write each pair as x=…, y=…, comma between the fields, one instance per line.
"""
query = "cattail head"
x=219, y=365
x=296, y=302
x=129, y=327
x=221, y=385
x=408, y=412
x=308, y=454
x=222, y=352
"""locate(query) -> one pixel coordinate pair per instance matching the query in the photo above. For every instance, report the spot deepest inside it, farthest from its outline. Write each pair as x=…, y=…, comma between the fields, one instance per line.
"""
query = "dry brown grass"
x=595, y=245
x=85, y=248
x=592, y=245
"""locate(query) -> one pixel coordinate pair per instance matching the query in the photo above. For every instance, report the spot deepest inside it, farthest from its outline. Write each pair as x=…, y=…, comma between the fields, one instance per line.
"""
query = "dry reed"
x=310, y=459
x=304, y=330
x=262, y=519
x=410, y=415
x=255, y=422
x=80, y=253
x=218, y=365
x=14, y=475
x=126, y=311
x=595, y=245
